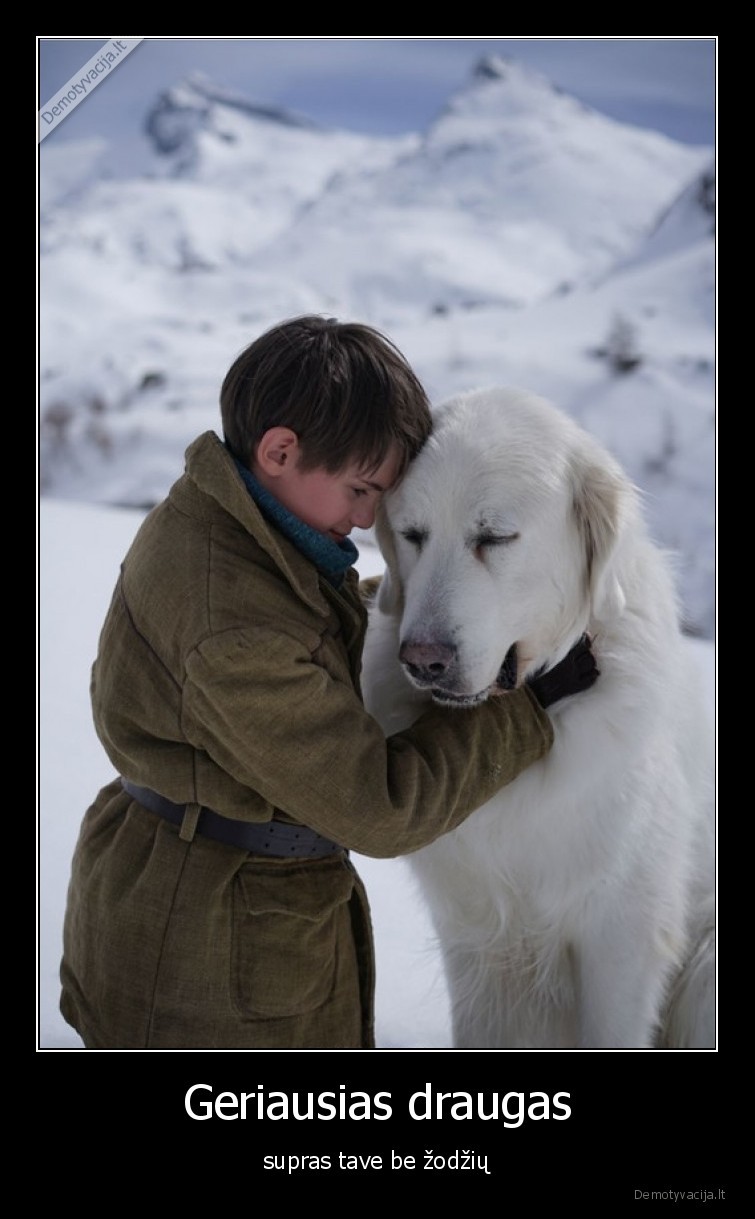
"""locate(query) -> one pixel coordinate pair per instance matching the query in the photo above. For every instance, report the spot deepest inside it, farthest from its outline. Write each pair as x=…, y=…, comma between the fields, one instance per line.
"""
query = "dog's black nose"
x=427, y=662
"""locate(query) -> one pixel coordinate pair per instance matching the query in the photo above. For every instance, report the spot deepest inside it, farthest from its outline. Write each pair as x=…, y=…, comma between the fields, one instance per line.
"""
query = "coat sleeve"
x=284, y=727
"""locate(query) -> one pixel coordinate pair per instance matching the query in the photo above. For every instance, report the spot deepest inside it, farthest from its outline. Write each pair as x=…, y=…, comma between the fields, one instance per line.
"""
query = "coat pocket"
x=287, y=920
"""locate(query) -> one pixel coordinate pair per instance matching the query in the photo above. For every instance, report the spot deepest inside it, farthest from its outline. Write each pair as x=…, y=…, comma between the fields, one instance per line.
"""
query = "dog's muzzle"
x=430, y=667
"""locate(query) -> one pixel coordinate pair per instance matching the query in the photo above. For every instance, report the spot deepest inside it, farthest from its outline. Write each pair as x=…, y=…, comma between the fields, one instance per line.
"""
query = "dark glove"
x=576, y=672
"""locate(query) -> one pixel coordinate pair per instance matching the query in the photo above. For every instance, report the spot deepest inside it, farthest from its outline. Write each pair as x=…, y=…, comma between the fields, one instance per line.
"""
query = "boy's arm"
x=287, y=730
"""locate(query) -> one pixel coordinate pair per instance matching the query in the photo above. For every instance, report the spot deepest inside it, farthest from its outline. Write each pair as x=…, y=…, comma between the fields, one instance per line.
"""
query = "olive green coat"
x=227, y=675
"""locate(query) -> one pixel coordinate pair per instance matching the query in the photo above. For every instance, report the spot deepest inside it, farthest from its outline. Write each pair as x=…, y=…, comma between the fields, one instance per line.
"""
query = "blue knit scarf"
x=333, y=559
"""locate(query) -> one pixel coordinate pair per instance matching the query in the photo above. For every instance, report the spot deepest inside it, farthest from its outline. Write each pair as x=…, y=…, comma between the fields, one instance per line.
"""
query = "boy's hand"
x=368, y=589
x=576, y=672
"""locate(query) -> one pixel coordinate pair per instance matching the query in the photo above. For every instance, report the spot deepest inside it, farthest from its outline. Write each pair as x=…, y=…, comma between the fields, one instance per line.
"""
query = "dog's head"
x=498, y=544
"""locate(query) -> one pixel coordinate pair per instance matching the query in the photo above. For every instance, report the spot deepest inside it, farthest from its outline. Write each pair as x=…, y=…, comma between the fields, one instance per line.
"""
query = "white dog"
x=576, y=908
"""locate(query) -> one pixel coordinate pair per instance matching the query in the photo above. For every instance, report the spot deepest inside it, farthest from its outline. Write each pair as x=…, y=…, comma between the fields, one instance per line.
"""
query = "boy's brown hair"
x=344, y=388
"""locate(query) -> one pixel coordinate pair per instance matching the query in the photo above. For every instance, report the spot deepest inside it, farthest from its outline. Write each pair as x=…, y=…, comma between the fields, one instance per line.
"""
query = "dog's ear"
x=390, y=597
x=601, y=497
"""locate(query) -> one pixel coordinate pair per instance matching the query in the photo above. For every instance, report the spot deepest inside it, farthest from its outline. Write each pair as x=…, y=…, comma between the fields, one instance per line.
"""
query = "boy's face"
x=333, y=504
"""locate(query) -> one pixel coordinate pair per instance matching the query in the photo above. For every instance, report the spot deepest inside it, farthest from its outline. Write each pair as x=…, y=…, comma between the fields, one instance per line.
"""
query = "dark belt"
x=262, y=838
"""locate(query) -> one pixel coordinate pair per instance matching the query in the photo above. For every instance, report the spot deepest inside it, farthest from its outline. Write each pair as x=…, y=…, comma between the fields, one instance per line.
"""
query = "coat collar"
x=213, y=470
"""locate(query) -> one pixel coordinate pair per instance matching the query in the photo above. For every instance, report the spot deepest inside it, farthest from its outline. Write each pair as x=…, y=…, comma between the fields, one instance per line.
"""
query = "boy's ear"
x=277, y=451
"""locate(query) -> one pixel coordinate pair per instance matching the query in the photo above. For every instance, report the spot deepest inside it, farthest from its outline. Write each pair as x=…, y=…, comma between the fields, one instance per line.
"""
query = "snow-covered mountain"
x=522, y=239
x=514, y=192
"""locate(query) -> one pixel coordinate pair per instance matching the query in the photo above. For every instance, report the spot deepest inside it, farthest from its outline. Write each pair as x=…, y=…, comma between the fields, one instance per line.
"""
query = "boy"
x=212, y=902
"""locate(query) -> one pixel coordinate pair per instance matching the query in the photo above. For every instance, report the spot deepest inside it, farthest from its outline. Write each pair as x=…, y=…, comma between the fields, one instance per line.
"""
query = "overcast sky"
x=389, y=85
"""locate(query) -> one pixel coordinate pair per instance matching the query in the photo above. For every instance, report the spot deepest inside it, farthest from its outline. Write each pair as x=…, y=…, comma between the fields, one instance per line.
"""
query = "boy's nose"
x=364, y=516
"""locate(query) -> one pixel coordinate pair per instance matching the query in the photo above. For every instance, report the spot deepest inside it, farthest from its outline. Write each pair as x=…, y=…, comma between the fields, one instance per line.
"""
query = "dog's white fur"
x=576, y=908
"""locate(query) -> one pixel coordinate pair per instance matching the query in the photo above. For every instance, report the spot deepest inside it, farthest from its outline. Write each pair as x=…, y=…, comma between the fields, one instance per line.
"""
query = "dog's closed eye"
x=416, y=537
x=486, y=539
